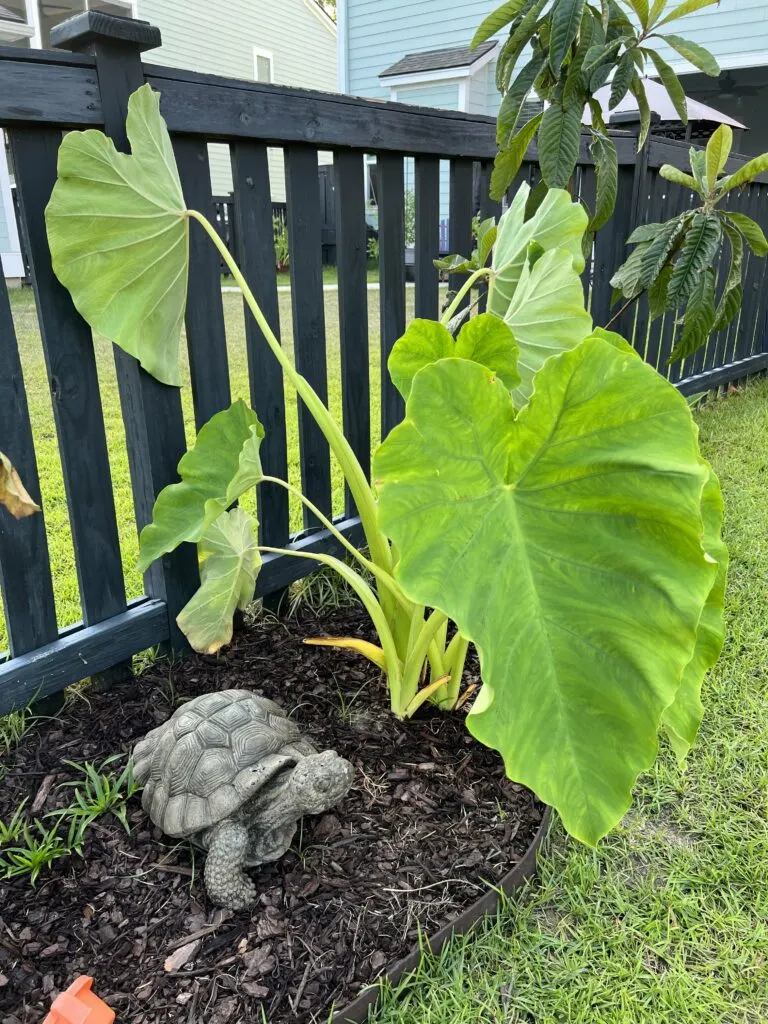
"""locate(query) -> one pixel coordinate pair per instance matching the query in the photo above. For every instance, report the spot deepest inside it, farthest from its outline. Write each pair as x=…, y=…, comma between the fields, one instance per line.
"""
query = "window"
x=52, y=12
x=263, y=70
x=13, y=10
x=15, y=29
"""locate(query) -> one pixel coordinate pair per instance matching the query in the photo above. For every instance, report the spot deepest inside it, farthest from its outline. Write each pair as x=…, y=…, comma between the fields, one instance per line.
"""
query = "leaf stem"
x=381, y=575
x=353, y=473
x=417, y=654
x=482, y=272
x=372, y=606
x=623, y=309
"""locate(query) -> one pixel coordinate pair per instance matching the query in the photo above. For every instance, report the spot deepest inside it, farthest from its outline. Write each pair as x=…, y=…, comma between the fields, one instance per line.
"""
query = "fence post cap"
x=82, y=30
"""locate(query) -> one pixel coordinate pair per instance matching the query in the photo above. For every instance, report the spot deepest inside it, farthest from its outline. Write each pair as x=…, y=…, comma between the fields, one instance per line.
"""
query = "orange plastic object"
x=78, y=1005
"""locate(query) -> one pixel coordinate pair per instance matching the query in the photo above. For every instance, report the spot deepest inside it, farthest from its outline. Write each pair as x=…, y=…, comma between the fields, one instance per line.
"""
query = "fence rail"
x=43, y=93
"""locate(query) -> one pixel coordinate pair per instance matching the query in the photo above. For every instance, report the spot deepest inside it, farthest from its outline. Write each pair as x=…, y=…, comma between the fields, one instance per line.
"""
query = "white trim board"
x=342, y=41
x=10, y=30
x=265, y=55
x=321, y=15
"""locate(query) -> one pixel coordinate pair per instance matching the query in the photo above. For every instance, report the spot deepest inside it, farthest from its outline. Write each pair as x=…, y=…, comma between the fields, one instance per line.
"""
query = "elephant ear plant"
x=673, y=261
x=544, y=493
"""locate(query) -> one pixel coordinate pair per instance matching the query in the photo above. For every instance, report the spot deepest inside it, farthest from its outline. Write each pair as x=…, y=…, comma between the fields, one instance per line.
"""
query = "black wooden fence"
x=224, y=213
x=42, y=93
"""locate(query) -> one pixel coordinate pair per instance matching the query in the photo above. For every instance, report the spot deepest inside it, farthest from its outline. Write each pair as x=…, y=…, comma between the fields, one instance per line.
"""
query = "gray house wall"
x=219, y=38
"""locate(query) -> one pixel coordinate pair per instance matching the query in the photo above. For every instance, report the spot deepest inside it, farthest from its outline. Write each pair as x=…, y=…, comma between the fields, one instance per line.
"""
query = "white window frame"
x=10, y=31
x=370, y=161
x=265, y=55
x=32, y=29
x=322, y=15
x=11, y=263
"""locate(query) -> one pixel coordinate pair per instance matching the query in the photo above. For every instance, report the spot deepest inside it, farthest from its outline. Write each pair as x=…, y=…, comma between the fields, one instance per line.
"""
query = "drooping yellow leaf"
x=352, y=643
x=13, y=494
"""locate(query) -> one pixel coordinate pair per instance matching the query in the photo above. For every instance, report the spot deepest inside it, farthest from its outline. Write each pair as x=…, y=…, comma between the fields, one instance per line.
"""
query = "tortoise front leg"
x=225, y=881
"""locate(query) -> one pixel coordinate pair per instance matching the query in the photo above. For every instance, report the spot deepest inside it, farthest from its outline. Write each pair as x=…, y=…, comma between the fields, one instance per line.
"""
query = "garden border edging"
x=358, y=1010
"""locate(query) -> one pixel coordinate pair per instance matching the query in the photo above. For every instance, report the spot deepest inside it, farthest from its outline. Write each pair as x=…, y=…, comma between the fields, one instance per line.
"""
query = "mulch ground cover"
x=430, y=822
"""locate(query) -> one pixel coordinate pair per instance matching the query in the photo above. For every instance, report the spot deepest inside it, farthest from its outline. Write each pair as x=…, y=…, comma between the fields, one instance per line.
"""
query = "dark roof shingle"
x=437, y=60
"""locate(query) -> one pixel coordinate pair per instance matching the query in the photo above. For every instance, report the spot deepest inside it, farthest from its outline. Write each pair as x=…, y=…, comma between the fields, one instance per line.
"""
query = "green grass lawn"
x=668, y=920
x=330, y=276
x=54, y=500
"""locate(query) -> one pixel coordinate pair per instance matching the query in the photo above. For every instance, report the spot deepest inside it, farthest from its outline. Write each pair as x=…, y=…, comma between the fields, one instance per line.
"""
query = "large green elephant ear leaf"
x=119, y=236
x=546, y=314
x=223, y=464
x=683, y=717
x=558, y=223
x=229, y=563
x=484, y=339
x=566, y=543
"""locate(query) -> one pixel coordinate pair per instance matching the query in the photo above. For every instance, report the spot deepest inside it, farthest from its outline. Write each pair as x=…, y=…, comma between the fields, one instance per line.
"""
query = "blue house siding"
x=736, y=32
x=377, y=33
x=380, y=32
x=484, y=97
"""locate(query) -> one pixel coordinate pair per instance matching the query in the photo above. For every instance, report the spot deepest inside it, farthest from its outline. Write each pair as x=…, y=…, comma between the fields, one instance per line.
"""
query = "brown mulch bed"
x=430, y=821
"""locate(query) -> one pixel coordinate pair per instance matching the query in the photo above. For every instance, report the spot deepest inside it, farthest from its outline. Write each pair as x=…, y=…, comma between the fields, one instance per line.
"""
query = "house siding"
x=484, y=97
x=735, y=32
x=219, y=39
x=380, y=32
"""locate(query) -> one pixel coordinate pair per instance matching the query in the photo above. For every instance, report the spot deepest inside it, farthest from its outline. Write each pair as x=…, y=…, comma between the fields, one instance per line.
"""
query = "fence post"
x=152, y=413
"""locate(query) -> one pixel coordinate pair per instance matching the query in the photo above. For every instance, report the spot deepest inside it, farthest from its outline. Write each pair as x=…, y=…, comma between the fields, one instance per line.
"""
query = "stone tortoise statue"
x=230, y=772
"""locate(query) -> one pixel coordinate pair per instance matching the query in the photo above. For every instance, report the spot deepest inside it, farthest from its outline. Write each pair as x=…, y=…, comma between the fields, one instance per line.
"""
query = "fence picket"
x=427, y=242
x=253, y=224
x=392, y=278
x=206, y=335
x=460, y=224
x=352, y=262
x=308, y=318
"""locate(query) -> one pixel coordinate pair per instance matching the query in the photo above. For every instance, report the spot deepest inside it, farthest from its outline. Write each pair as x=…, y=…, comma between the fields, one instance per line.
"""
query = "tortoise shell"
x=212, y=756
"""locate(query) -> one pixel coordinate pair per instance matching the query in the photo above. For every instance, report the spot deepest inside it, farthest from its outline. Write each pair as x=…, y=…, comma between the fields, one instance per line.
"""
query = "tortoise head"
x=320, y=781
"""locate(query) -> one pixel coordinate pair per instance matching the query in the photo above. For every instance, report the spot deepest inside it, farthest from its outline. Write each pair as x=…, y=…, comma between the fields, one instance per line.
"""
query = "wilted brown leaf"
x=12, y=492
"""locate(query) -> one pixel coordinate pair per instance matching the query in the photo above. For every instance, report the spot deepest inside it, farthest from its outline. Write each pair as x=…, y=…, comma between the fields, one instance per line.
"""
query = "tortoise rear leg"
x=225, y=881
